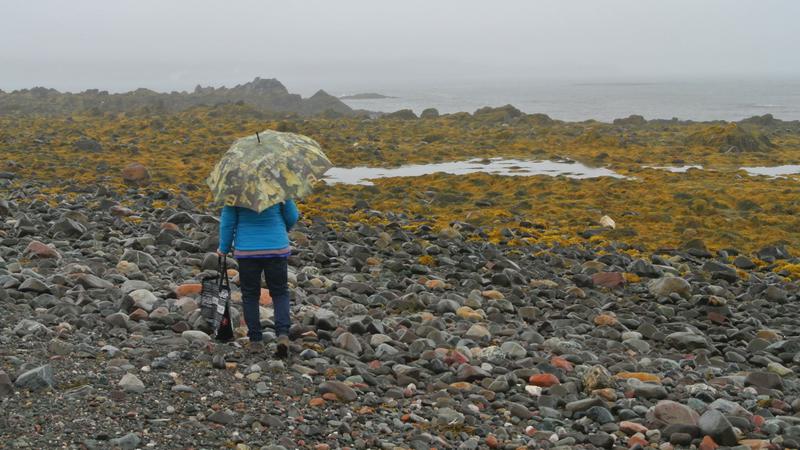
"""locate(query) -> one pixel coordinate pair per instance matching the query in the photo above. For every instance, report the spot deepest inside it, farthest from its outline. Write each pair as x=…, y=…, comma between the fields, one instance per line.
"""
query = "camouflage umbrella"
x=267, y=168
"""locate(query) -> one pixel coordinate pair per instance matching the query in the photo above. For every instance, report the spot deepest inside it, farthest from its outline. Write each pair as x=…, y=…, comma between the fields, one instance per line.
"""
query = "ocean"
x=604, y=101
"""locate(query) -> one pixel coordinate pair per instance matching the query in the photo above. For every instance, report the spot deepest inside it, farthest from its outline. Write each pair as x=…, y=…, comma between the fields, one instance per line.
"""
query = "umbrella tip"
x=258, y=137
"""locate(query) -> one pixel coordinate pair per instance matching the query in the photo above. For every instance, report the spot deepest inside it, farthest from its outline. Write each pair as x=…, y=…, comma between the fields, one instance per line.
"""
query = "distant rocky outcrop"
x=633, y=119
x=499, y=114
x=731, y=138
x=267, y=95
x=365, y=96
x=322, y=102
x=403, y=114
x=429, y=113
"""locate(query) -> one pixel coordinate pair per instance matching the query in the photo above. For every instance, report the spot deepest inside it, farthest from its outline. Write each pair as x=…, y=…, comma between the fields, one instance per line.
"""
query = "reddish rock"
x=329, y=396
x=543, y=380
x=138, y=315
x=120, y=211
x=135, y=174
x=492, y=442
x=708, y=444
x=610, y=280
x=435, y=284
x=632, y=427
x=637, y=439
x=181, y=326
x=493, y=295
x=169, y=226
x=265, y=299
x=316, y=401
x=188, y=290
x=668, y=412
x=39, y=250
x=605, y=320
x=561, y=363
x=455, y=357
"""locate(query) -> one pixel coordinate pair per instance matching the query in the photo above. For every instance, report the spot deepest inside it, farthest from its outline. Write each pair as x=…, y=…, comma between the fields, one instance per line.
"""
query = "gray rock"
x=141, y=259
x=68, y=227
x=764, y=380
x=6, y=387
x=343, y=392
x=775, y=294
x=744, y=263
x=222, y=417
x=349, y=342
x=449, y=417
x=59, y=347
x=142, y=298
x=134, y=285
x=27, y=326
x=513, y=350
x=36, y=379
x=687, y=341
x=34, y=285
x=477, y=332
x=721, y=271
x=86, y=144
x=325, y=319
x=663, y=287
x=131, y=383
x=713, y=423
x=195, y=336
x=650, y=391
x=130, y=441
x=118, y=320
x=90, y=281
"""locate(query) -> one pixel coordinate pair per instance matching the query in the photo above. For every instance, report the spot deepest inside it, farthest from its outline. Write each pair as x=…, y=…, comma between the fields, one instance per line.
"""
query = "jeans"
x=275, y=271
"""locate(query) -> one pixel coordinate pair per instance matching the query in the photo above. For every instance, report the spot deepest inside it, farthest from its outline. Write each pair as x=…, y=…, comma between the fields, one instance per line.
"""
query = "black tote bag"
x=215, y=298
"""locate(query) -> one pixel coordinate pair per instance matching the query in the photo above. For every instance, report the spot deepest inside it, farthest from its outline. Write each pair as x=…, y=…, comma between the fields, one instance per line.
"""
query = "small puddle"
x=774, y=171
x=495, y=166
x=770, y=171
x=675, y=169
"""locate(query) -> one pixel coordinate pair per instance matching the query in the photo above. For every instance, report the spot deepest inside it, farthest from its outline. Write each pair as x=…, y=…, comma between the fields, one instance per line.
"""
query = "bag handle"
x=222, y=263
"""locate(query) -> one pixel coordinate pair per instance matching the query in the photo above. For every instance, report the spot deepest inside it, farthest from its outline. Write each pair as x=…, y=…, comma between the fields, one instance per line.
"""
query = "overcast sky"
x=343, y=44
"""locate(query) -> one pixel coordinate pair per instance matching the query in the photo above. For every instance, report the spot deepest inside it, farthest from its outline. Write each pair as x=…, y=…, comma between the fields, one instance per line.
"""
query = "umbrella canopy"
x=262, y=170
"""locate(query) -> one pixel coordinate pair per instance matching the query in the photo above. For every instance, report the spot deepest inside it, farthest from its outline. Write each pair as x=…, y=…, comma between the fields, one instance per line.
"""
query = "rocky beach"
x=404, y=337
x=654, y=309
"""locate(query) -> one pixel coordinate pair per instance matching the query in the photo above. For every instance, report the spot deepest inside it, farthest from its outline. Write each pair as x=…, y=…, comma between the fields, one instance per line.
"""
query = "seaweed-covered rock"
x=731, y=138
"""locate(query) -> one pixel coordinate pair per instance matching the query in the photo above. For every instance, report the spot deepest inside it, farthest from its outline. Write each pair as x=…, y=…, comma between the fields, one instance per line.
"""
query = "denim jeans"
x=275, y=271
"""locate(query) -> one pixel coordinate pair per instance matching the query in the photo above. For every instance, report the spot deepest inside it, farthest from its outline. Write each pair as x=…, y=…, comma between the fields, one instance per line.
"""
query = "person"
x=260, y=243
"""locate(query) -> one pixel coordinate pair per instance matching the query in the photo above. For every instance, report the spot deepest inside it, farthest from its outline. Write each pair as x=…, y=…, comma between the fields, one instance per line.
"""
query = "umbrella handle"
x=258, y=137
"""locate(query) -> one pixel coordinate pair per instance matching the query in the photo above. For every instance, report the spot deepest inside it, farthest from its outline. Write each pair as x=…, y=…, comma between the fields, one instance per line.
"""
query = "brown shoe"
x=255, y=347
x=282, y=349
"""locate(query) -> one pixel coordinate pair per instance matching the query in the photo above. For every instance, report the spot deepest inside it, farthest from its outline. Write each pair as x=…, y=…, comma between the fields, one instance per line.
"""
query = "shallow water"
x=774, y=171
x=676, y=169
x=701, y=99
x=770, y=171
x=496, y=166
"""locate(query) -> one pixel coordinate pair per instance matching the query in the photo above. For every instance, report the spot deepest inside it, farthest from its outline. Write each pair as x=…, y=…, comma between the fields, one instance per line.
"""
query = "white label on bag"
x=221, y=309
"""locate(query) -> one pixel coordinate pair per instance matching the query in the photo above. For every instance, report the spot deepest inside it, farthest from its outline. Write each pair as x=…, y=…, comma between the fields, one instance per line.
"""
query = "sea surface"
x=604, y=101
x=517, y=167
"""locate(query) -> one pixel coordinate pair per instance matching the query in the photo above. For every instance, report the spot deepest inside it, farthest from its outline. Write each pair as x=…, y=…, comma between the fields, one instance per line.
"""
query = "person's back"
x=250, y=233
x=260, y=243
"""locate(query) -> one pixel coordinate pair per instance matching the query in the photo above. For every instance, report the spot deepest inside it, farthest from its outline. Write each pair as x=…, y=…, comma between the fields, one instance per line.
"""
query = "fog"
x=352, y=44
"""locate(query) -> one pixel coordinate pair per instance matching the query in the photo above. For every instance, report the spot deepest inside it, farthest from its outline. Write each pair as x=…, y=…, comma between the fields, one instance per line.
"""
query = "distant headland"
x=266, y=95
x=365, y=96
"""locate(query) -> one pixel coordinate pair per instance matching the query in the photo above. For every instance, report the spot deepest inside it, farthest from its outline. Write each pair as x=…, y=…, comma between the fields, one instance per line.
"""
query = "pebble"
x=131, y=383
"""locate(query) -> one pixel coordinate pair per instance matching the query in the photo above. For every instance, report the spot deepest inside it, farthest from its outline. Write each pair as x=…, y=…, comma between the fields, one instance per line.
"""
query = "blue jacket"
x=245, y=229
